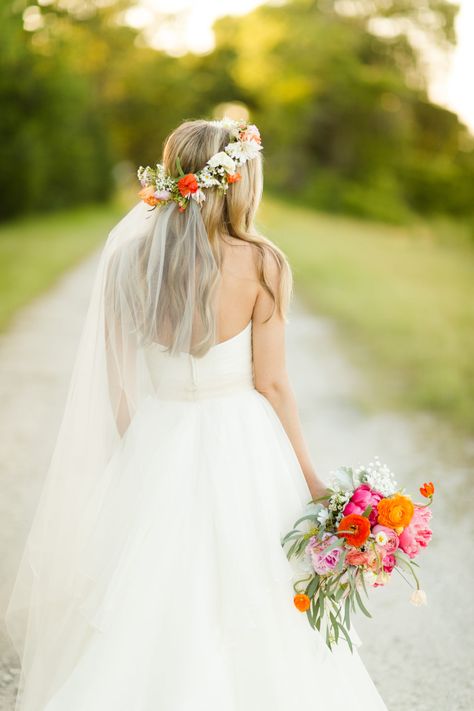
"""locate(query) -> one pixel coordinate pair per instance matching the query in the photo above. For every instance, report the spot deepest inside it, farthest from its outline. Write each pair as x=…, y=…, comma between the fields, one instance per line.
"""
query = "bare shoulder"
x=252, y=258
x=241, y=259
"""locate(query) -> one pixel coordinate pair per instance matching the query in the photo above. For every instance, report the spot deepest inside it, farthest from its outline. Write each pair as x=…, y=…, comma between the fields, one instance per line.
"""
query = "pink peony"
x=392, y=538
x=362, y=497
x=388, y=562
x=323, y=562
x=417, y=534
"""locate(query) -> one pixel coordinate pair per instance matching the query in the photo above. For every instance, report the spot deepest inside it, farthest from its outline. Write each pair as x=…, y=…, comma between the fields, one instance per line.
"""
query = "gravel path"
x=420, y=658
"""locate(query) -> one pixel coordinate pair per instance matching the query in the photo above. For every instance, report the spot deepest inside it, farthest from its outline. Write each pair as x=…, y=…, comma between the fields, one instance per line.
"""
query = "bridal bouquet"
x=367, y=530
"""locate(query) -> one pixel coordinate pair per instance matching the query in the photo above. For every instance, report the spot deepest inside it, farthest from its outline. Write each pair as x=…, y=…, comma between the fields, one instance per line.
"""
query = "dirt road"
x=420, y=658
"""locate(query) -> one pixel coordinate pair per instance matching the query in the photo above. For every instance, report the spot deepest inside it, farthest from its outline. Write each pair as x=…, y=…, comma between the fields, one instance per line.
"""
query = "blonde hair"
x=148, y=294
x=194, y=142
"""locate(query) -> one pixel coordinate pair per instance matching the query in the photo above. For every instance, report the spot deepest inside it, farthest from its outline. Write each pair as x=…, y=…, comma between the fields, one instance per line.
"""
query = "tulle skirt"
x=189, y=592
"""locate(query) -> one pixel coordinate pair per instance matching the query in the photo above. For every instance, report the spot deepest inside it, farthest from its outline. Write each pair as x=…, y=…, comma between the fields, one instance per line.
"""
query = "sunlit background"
x=190, y=29
x=367, y=116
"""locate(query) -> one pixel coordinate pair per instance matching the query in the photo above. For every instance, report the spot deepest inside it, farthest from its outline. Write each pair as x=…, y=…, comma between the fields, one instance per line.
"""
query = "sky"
x=450, y=83
x=453, y=88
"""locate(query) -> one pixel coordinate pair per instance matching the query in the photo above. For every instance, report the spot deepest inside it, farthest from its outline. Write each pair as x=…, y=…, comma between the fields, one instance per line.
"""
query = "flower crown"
x=219, y=172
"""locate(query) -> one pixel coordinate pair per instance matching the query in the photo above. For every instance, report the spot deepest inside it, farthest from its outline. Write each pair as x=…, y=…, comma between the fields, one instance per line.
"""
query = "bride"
x=153, y=578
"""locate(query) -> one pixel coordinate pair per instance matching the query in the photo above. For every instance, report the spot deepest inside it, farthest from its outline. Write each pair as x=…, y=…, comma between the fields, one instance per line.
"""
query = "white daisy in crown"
x=223, y=159
x=243, y=150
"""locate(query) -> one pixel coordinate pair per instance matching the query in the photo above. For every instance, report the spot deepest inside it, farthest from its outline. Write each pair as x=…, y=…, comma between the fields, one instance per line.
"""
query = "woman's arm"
x=271, y=377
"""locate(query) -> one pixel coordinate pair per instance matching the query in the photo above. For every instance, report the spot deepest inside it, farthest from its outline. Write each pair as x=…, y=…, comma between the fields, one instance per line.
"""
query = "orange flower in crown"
x=188, y=184
x=234, y=178
x=148, y=195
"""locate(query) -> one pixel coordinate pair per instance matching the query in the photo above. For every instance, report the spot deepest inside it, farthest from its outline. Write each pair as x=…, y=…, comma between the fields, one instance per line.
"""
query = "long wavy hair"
x=233, y=214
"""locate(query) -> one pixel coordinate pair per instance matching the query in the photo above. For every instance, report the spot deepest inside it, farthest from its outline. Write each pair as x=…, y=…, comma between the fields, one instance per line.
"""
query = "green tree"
x=347, y=122
x=54, y=149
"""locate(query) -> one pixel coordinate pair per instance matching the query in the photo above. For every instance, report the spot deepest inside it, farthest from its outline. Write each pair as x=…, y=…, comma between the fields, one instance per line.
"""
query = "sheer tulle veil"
x=59, y=589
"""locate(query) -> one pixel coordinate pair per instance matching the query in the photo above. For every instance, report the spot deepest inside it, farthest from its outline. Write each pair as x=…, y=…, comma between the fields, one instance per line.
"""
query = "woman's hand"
x=318, y=489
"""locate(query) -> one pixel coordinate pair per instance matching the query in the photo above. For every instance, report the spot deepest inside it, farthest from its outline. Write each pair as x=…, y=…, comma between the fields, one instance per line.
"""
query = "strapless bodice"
x=227, y=367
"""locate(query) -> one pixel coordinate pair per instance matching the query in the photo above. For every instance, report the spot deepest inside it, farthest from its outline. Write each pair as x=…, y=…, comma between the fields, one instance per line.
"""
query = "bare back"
x=241, y=299
x=238, y=289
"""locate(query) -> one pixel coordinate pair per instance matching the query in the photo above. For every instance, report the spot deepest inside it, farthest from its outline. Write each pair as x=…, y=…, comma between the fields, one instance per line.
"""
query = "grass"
x=404, y=298
x=36, y=250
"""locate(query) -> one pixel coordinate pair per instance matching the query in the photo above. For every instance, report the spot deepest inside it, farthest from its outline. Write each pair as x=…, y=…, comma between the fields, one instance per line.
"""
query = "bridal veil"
x=147, y=291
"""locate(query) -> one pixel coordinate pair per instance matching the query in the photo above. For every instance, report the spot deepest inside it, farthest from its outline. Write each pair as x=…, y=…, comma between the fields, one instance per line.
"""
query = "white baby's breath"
x=230, y=124
x=207, y=178
x=379, y=477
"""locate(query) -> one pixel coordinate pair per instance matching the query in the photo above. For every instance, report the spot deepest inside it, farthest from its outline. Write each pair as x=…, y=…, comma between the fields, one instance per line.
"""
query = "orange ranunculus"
x=233, y=178
x=188, y=184
x=302, y=602
x=395, y=512
x=358, y=528
x=427, y=489
x=148, y=195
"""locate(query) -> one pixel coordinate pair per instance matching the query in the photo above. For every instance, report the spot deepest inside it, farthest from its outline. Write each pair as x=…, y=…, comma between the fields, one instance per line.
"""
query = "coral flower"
x=358, y=527
x=148, y=196
x=395, y=512
x=356, y=557
x=427, y=490
x=302, y=602
x=233, y=178
x=188, y=184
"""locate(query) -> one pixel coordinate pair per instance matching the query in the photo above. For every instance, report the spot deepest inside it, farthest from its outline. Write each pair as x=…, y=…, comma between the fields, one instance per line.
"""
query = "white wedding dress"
x=191, y=606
